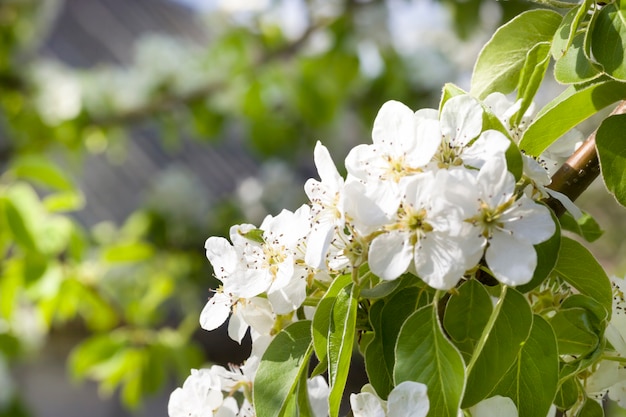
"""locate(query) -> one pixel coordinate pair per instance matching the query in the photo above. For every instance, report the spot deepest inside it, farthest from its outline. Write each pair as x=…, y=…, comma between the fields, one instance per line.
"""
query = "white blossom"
x=427, y=235
x=199, y=396
x=327, y=211
x=511, y=224
x=462, y=140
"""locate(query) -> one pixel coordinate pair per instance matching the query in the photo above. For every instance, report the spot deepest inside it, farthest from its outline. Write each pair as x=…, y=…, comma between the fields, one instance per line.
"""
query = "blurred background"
x=132, y=130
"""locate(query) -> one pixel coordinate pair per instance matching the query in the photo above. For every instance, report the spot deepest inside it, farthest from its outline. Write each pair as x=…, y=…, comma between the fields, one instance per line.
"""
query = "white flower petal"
x=394, y=125
x=228, y=409
x=257, y=313
x=318, y=391
x=495, y=406
x=289, y=298
x=408, y=399
x=366, y=404
x=567, y=203
x=222, y=256
x=325, y=166
x=441, y=261
x=318, y=243
x=490, y=144
x=495, y=184
x=461, y=119
x=390, y=255
x=215, y=311
x=237, y=327
x=529, y=221
x=513, y=261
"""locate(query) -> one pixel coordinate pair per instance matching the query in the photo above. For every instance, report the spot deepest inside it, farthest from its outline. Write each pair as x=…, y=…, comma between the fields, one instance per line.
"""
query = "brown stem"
x=579, y=171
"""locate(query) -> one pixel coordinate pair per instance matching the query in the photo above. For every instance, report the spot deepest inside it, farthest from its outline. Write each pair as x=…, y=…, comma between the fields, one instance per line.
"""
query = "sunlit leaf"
x=502, y=58
x=532, y=381
x=575, y=104
x=281, y=366
x=611, y=147
x=501, y=348
x=577, y=266
x=424, y=354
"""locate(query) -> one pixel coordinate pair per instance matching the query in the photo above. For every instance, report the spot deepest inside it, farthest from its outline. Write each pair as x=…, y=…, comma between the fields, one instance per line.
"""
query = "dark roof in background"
x=89, y=33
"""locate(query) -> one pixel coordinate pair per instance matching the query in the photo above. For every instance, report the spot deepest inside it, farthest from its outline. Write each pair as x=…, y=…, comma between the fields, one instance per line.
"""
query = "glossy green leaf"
x=567, y=395
x=532, y=381
x=321, y=318
x=424, y=354
x=574, y=332
x=598, y=317
x=574, y=67
x=378, y=372
x=381, y=290
x=380, y=358
x=611, y=146
x=575, y=104
x=590, y=408
x=564, y=35
x=501, y=347
x=282, y=364
x=502, y=58
x=467, y=312
x=586, y=226
x=40, y=169
x=577, y=266
x=608, y=40
x=531, y=76
x=341, y=333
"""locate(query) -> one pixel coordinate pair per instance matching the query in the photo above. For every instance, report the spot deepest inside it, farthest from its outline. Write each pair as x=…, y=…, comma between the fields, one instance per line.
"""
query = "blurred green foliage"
x=136, y=289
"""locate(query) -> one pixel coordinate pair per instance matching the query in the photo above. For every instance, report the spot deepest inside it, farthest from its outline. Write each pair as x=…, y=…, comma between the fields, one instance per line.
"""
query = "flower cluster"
x=432, y=196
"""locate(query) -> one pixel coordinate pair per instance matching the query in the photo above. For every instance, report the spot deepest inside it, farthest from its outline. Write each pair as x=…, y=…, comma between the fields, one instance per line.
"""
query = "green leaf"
x=92, y=352
x=611, y=148
x=532, y=381
x=381, y=290
x=531, y=76
x=467, y=313
x=547, y=253
x=128, y=252
x=575, y=104
x=590, y=408
x=564, y=35
x=40, y=169
x=577, y=266
x=341, y=332
x=379, y=374
x=574, y=332
x=424, y=354
x=586, y=226
x=608, y=40
x=574, y=67
x=449, y=90
x=282, y=364
x=20, y=227
x=64, y=201
x=567, y=395
x=321, y=318
x=598, y=318
x=502, y=58
x=501, y=346
x=380, y=358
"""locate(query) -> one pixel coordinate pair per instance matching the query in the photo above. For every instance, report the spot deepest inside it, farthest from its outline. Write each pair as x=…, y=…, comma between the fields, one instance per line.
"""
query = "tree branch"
x=579, y=171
